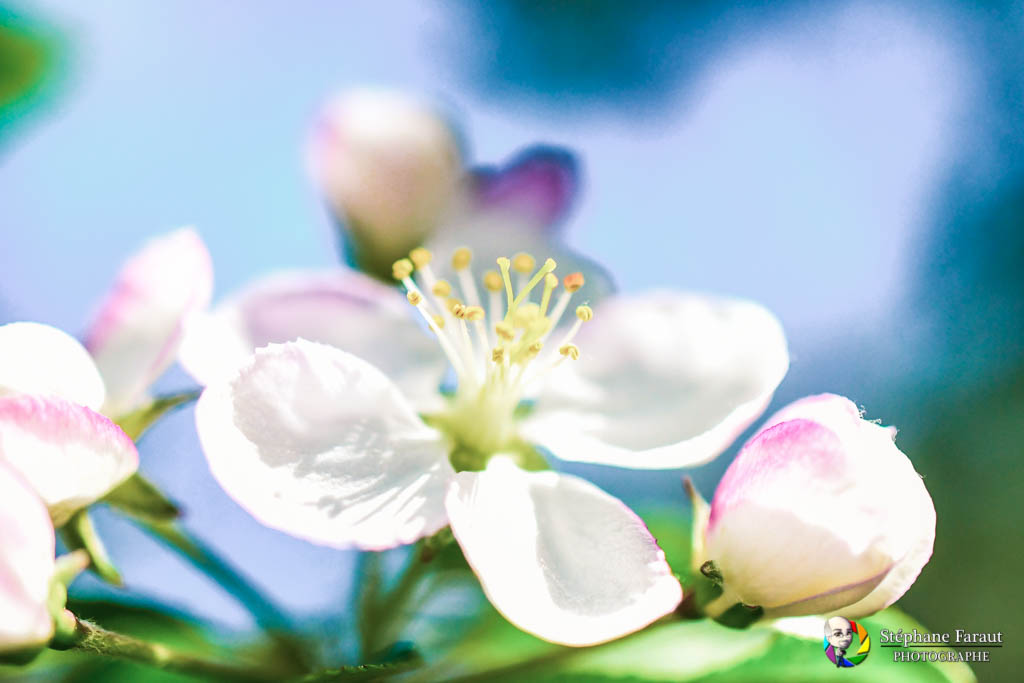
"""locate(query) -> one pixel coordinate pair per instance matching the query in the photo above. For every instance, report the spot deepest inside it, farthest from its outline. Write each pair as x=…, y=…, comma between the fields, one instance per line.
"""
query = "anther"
x=439, y=320
x=461, y=258
x=505, y=331
x=498, y=354
x=474, y=313
x=414, y=297
x=584, y=313
x=401, y=269
x=441, y=288
x=535, y=348
x=523, y=263
x=570, y=351
x=451, y=302
x=573, y=281
x=459, y=310
x=420, y=257
x=492, y=281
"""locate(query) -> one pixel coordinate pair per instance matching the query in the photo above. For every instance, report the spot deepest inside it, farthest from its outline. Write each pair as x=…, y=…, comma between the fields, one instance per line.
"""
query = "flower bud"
x=389, y=166
x=820, y=512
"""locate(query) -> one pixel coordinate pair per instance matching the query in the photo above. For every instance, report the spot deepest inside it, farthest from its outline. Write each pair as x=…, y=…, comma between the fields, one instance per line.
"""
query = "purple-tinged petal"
x=39, y=359
x=26, y=564
x=135, y=336
x=559, y=557
x=341, y=308
x=69, y=454
x=320, y=444
x=538, y=185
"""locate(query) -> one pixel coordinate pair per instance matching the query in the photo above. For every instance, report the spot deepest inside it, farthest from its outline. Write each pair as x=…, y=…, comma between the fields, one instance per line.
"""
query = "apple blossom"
x=26, y=564
x=819, y=513
x=326, y=446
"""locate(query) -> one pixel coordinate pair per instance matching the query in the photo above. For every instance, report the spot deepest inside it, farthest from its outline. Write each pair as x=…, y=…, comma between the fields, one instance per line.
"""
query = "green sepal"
x=138, y=421
x=65, y=626
x=740, y=616
x=20, y=657
x=80, y=534
x=141, y=499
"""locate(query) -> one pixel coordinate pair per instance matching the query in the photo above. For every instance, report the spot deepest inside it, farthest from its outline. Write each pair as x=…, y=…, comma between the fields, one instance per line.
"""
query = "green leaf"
x=136, y=423
x=80, y=534
x=30, y=56
x=141, y=499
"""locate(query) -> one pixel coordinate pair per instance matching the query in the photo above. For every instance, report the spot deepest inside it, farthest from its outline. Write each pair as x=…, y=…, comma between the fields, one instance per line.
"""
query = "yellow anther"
x=474, y=313
x=534, y=349
x=420, y=256
x=414, y=297
x=401, y=269
x=498, y=354
x=439, y=321
x=459, y=310
x=505, y=331
x=451, y=302
x=461, y=258
x=584, y=313
x=573, y=281
x=523, y=263
x=492, y=281
x=570, y=350
x=441, y=288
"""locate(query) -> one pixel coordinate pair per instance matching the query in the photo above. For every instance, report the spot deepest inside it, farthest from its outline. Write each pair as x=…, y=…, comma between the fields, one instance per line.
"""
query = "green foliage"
x=29, y=60
x=139, y=498
x=79, y=534
x=137, y=422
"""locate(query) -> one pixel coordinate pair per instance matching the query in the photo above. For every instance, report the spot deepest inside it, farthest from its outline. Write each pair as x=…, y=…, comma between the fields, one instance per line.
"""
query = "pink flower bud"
x=820, y=512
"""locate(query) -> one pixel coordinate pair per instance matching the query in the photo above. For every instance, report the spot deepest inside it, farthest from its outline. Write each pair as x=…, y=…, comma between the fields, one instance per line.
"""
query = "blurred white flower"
x=53, y=393
x=819, y=513
x=324, y=445
x=26, y=564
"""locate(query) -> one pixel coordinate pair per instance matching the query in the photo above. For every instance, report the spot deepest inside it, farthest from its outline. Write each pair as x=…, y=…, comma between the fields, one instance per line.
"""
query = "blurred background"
x=857, y=167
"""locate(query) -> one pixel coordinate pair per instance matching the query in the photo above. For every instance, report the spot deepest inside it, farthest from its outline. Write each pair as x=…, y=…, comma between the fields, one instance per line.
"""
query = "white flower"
x=819, y=513
x=320, y=443
x=26, y=564
x=53, y=393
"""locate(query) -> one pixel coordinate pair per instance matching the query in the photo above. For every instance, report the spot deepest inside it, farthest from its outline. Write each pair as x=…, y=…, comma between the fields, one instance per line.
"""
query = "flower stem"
x=91, y=638
x=377, y=626
x=268, y=616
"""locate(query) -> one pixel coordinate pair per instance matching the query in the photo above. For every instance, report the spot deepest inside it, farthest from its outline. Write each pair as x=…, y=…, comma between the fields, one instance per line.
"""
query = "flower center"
x=500, y=350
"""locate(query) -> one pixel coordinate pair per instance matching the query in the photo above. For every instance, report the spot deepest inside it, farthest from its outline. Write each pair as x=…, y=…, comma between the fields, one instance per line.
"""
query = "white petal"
x=321, y=445
x=559, y=557
x=664, y=380
x=39, y=359
x=340, y=308
x=136, y=333
x=26, y=564
x=69, y=454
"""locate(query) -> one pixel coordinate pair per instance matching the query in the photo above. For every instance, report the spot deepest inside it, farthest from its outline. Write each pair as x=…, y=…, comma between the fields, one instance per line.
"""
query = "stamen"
x=461, y=258
x=504, y=264
x=413, y=292
x=492, y=281
x=570, y=350
x=401, y=269
x=441, y=288
x=420, y=257
x=493, y=284
x=585, y=313
x=505, y=331
x=497, y=354
x=549, y=265
x=573, y=281
x=414, y=297
x=439, y=320
x=523, y=263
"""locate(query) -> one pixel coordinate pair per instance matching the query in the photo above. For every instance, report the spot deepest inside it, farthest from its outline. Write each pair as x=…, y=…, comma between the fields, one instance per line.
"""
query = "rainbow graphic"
x=851, y=660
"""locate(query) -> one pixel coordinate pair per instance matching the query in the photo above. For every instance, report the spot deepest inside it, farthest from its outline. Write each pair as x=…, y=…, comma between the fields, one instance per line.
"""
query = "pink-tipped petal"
x=340, y=308
x=538, y=186
x=559, y=557
x=39, y=359
x=26, y=564
x=69, y=454
x=136, y=333
x=664, y=380
x=320, y=444
x=820, y=512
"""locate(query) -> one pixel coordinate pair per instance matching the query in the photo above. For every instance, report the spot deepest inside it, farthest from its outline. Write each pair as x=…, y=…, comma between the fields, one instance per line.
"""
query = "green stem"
x=267, y=615
x=378, y=617
x=91, y=638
